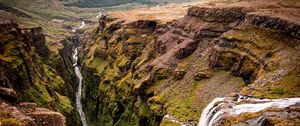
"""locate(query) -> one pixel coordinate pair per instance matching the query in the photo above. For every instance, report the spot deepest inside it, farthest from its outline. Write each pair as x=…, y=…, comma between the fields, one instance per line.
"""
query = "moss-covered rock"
x=27, y=69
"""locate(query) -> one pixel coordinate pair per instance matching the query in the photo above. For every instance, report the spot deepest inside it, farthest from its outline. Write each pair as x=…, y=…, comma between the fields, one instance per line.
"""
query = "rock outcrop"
x=28, y=114
x=29, y=73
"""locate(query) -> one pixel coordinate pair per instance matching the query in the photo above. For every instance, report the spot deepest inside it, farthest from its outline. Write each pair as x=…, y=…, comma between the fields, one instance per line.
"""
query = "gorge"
x=154, y=63
x=79, y=76
x=78, y=93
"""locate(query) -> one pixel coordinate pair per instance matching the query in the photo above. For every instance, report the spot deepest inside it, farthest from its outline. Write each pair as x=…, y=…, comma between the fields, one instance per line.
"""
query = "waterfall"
x=81, y=26
x=99, y=15
x=78, y=93
x=79, y=76
x=219, y=107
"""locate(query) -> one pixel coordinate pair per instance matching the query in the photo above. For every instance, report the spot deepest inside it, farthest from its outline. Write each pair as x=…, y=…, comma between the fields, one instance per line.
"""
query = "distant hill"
x=109, y=3
x=105, y=3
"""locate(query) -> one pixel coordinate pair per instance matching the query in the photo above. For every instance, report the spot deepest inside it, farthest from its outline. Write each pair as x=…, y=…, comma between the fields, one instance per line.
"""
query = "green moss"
x=162, y=73
x=125, y=82
x=181, y=109
x=98, y=63
x=167, y=122
x=122, y=61
x=154, y=87
x=143, y=109
x=10, y=122
x=38, y=94
x=288, y=86
x=128, y=118
x=135, y=40
x=57, y=83
x=111, y=74
x=257, y=39
x=11, y=54
x=130, y=31
x=64, y=104
x=156, y=108
x=141, y=59
x=243, y=84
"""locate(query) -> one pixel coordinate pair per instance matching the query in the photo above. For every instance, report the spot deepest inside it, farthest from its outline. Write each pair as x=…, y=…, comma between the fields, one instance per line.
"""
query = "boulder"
x=179, y=74
x=8, y=94
x=28, y=106
x=143, y=24
x=201, y=75
x=45, y=117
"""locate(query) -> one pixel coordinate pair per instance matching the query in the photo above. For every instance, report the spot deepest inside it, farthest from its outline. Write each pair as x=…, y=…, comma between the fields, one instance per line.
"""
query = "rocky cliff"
x=29, y=73
x=138, y=72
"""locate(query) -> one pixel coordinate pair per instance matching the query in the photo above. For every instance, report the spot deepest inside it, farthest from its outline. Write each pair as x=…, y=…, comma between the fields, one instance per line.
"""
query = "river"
x=79, y=90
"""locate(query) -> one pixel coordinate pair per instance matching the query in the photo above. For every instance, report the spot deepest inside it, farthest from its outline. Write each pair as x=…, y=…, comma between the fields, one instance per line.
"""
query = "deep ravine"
x=79, y=76
x=78, y=93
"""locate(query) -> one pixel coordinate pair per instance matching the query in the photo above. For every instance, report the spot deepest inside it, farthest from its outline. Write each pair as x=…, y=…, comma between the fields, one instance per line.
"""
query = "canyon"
x=205, y=63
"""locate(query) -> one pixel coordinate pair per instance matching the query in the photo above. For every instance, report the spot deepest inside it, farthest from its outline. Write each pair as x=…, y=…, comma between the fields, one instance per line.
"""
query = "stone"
x=200, y=75
x=8, y=94
x=28, y=106
x=179, y=74
x=143, y=24
x=45, y=117
x=185, y=49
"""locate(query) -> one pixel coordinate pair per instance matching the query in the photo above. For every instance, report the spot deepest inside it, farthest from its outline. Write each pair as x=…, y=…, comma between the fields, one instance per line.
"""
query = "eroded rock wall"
x=29, y=73
x=135, y=73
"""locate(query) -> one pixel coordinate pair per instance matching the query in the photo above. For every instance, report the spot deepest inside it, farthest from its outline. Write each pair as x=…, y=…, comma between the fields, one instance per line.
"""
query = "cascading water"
x=79, y=76
x=81, y=26
x=99, y=15
x=220, y=107
x=78, y=93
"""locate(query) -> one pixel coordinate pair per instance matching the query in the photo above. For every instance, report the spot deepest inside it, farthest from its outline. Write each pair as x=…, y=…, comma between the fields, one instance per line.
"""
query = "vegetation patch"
x=64, y=104
x=10, y=122
x=167, y=122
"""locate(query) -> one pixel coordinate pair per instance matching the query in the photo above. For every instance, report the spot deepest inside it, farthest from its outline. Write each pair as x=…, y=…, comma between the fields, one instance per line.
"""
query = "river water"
x=79, y=90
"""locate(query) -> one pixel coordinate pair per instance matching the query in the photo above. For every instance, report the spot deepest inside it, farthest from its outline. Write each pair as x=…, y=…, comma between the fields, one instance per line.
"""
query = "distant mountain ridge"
x=105, y=3
x=109, y=3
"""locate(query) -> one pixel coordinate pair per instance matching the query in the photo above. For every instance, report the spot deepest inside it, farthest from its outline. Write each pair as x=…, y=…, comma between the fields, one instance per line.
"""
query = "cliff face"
x=135, y=73
x=28, y=74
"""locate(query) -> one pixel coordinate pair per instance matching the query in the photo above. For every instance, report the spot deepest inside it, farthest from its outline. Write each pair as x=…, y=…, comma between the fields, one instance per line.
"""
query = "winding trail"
x=79, y=91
